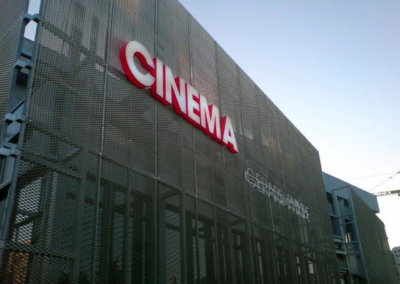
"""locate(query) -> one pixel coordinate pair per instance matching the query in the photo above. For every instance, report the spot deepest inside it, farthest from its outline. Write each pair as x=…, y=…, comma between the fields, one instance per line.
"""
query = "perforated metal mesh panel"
x=10, y=29
x=378, y=258
x=114, y=187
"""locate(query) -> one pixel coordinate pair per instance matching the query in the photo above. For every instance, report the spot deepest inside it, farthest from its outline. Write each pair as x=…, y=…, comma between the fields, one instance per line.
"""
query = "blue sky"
x=333, y=68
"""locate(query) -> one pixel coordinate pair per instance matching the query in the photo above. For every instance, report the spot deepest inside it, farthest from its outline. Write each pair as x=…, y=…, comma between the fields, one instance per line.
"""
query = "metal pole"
x=339, y=216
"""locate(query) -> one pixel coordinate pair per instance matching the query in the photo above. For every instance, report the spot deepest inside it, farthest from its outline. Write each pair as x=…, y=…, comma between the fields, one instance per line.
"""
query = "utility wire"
x=371, y=176
x=389, y=178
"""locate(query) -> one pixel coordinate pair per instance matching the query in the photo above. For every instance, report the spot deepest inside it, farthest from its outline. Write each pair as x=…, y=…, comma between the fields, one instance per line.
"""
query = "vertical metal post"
x=157, y=273
x=341, y=227
x=17, y=112
x=97, y=235
x=358, y=237
x=189, y=32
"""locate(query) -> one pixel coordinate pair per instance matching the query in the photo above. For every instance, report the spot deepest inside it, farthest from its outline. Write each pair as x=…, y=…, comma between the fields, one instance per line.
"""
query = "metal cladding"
x=112, y=186
x=378, y=260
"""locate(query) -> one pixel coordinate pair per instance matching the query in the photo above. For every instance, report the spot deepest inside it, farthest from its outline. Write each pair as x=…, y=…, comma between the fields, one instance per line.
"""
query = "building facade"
x=102, y=183
x=362, y=249
x=396, y=255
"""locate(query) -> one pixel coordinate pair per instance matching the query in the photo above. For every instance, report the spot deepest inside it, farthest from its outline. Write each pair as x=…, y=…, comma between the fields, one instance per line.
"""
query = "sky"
x=333, y=68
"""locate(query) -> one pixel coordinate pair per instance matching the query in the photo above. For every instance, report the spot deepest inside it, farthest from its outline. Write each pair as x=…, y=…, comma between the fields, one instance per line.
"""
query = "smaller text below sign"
x=259, y=183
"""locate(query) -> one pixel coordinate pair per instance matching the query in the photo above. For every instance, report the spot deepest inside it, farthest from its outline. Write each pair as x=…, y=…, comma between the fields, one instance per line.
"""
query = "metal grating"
x=10, y=29
x=113, y=186
x=374, y=245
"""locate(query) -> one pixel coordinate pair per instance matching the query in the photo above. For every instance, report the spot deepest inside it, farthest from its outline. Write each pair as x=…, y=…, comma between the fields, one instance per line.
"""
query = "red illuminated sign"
x=168, y=89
